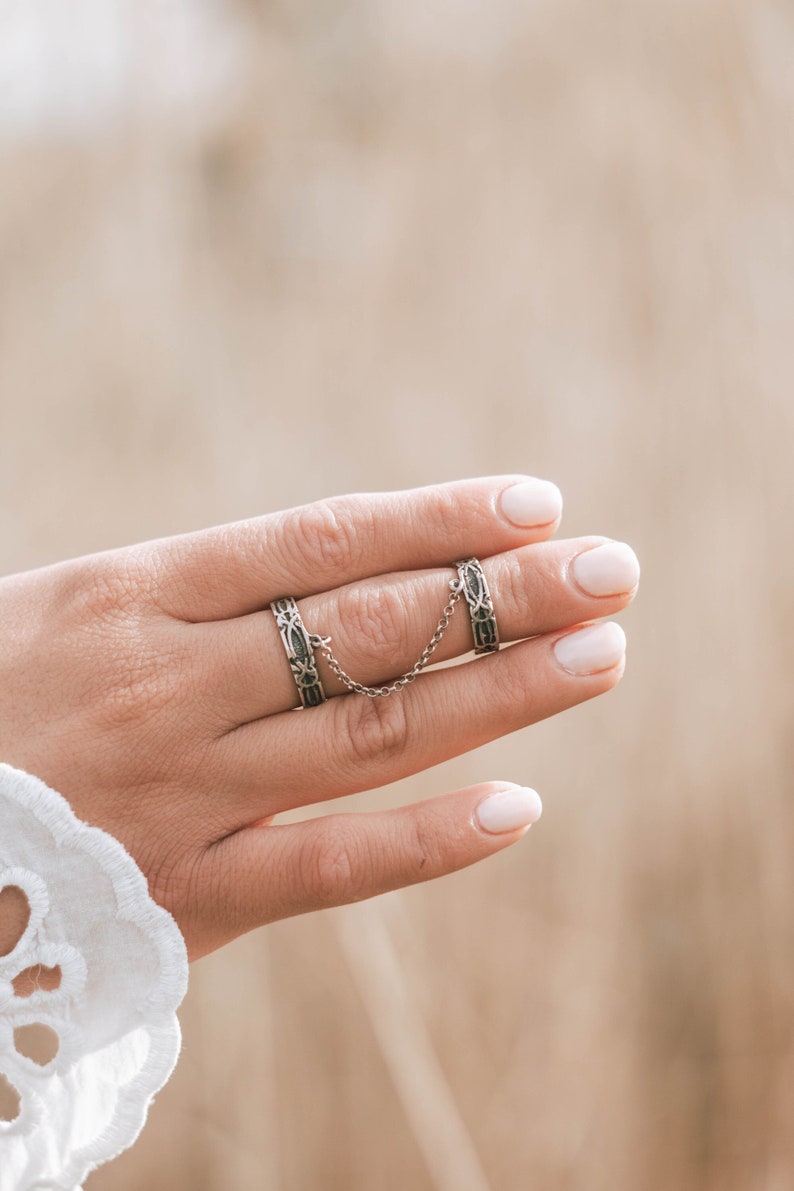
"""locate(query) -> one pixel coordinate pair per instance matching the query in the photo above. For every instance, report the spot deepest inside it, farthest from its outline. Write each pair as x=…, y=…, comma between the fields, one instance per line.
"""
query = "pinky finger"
x=263, y=873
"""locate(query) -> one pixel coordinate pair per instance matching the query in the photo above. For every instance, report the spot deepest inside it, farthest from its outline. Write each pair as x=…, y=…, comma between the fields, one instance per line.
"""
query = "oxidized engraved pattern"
x=481, y=610
x=300, y=644
x=299, y=651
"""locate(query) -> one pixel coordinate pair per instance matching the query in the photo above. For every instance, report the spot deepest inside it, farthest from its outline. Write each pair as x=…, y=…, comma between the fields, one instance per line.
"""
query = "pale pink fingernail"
x=607, y=570
x=531, y=503
x=508, y=810
x=590, y=650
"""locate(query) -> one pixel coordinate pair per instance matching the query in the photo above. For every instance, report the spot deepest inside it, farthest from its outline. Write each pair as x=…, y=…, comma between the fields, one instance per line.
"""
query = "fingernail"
x=607, y=570
x=590, y=650
x=509, y=809
x=533, y=502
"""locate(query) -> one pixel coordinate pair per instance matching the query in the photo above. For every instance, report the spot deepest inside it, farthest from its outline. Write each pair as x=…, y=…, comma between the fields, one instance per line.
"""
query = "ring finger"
x=379, y=627
x=352, y=743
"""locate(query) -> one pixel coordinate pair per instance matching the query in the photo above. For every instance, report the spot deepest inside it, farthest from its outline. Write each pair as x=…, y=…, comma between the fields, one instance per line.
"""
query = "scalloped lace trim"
x=88, y=994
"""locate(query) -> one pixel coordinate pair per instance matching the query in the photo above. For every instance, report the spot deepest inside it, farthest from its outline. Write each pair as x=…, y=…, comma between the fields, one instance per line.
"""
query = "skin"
x=149, y=686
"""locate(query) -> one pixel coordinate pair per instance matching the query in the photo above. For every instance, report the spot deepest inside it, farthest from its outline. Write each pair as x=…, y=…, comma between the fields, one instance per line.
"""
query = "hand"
x=150, y=687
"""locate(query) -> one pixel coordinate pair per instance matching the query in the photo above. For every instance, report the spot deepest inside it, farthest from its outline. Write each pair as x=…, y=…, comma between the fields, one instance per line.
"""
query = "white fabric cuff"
x=110, y=1032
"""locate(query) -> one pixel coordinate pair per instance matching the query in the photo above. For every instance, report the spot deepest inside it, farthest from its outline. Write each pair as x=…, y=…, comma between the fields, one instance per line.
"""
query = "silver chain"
x=381, y=692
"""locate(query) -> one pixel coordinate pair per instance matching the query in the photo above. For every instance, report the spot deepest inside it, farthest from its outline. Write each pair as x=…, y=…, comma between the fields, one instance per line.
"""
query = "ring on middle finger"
x=300, y=653
x=481, y=610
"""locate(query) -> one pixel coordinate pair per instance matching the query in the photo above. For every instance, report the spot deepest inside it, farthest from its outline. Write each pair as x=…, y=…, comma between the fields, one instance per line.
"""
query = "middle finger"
x=379, y=627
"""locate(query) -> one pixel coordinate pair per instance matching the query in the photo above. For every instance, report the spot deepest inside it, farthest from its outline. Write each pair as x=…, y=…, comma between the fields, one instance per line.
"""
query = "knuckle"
x=119, y=665
x=509, y=589
x=372, y=621
x=326, y=536
x=452, y=513
x=376, y=732
x=515, y=689
x=138, y=682
x=176, y=880
x=114, y=587
x=104, y=594
x=334, y=868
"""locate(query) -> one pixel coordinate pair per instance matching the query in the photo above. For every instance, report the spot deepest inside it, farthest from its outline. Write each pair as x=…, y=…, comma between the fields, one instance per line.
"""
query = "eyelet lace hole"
x=14, y=917
x=37, y=979
x=37, y=1042
x=10, y=1101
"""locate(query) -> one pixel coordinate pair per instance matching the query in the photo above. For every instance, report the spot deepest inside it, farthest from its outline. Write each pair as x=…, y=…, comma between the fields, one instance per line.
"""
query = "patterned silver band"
x=480, y=604
x=299, y=651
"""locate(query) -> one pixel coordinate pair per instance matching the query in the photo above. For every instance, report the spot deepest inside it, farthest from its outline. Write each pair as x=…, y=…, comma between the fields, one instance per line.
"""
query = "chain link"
x=381, y=692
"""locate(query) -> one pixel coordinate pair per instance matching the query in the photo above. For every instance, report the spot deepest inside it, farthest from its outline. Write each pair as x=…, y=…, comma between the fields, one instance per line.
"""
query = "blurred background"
x=254, y=254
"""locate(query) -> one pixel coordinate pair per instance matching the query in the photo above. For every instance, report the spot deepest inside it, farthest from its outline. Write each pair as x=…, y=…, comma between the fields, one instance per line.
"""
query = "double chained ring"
x=300, y=644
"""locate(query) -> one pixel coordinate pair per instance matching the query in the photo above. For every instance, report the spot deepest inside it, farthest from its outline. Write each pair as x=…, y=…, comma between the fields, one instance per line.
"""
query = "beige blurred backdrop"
x=254, y=254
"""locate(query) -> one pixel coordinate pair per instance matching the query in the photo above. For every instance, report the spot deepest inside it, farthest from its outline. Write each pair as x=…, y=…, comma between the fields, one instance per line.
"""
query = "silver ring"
x=480, y=604
x=299, y=651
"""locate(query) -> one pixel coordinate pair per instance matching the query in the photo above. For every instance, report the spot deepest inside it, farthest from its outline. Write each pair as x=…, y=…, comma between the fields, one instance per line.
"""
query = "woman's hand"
x=150, y=687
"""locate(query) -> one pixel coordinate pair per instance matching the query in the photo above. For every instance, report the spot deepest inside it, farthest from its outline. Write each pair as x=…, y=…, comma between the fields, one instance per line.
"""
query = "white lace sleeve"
x=88, y=995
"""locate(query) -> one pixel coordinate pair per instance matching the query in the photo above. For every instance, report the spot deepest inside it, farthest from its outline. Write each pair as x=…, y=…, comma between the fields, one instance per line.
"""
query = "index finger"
x=234, y=569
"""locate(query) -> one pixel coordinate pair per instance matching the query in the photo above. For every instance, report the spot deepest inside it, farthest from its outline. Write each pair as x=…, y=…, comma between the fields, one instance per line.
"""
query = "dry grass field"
x=366, y=245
